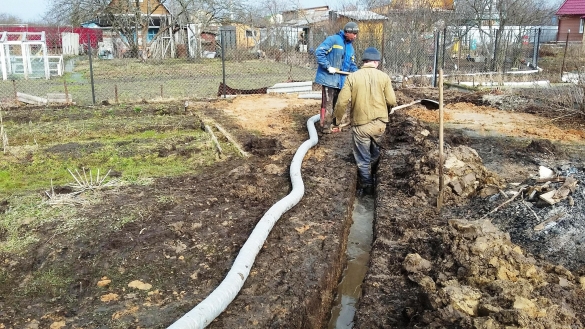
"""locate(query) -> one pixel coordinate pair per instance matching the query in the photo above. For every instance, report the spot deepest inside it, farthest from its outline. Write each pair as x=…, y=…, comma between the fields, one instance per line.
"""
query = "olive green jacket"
x=370, y=92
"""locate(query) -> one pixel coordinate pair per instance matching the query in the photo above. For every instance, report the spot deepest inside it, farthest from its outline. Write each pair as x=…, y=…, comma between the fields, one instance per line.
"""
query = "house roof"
x=320, y=8
x=146, y=7
x=362, y=15
x=572, y=7
x=400, y=5
x=309, y=17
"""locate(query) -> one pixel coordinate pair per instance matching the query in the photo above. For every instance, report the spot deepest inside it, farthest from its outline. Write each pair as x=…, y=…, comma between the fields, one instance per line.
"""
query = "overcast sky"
x=33, y=10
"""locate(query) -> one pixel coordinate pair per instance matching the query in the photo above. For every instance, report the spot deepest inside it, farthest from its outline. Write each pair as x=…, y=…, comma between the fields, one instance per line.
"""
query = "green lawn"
x=129, y=80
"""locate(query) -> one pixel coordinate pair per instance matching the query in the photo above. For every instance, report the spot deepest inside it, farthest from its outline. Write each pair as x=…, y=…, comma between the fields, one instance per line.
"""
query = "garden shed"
x=371, y=27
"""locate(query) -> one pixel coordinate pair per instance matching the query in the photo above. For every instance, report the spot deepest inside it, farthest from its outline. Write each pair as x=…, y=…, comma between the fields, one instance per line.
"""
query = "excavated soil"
x=481, y=261
x=476, y=263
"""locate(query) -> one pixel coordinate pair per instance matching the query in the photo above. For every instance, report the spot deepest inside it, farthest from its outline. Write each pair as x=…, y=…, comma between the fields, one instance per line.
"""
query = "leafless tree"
x=74, y=12
x=409, y=33
x=205, y=11
x=9, y=19
x=131, y=20
x=491, y=17
x=264, y=14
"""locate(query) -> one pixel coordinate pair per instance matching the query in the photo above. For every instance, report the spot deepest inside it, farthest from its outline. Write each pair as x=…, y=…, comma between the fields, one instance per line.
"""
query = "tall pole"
x=565, y=54
x=222, y=34
x=436, y=59
x=495, y=57
x=444, y=46
x=91, y=68
x=441, y=156
x=383, y=46
x=536, y=48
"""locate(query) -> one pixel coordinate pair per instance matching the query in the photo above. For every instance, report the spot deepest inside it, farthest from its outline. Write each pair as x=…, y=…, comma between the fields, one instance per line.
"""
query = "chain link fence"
x=282, y=55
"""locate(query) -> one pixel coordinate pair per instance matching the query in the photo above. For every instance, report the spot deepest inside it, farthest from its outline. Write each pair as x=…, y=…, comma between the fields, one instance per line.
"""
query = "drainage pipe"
x=224, y=294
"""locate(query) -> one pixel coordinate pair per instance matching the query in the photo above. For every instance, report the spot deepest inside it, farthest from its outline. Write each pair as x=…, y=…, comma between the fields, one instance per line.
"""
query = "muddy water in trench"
x=359, y=244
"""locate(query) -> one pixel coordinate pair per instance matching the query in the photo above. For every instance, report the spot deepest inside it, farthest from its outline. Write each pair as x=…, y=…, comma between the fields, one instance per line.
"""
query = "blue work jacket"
x=337, y=52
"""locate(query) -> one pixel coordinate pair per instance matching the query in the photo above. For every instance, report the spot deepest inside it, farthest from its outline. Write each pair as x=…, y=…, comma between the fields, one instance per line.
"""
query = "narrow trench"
x=359, y=243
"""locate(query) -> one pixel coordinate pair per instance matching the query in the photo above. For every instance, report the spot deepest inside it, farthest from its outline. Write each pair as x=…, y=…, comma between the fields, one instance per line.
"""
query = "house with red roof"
x=571, y=16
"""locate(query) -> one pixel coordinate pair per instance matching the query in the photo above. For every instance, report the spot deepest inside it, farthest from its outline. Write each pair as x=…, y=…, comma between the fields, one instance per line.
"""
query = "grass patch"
x=119, y=223
x=26, y=216
x=133, y=142
x=48, y=282
x=56, y=149
x=134, y=81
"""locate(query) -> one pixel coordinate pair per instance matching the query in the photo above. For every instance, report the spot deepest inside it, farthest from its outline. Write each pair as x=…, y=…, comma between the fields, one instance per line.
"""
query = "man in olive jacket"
x=371, y=94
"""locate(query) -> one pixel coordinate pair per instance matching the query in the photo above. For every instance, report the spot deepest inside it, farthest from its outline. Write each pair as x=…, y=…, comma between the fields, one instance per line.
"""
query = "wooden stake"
x=504, y=203
x=15, y=92
x=116, y=93
x=66, y=92
x=232, y=140
x=565, y=53
x=213, y=139
x=441, y=156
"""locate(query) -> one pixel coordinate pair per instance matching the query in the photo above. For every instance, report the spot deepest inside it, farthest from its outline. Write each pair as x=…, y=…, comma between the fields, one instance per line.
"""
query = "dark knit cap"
x=371, y=54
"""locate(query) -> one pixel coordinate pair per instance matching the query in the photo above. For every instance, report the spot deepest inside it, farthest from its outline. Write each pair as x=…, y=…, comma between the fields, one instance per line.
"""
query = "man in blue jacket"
x=335, y=54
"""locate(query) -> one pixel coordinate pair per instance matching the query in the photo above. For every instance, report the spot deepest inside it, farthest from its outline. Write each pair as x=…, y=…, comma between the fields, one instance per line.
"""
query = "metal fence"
x=92, y=78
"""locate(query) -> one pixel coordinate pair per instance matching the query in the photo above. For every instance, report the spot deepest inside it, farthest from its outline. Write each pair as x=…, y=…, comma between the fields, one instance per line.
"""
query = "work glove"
x=331, y=70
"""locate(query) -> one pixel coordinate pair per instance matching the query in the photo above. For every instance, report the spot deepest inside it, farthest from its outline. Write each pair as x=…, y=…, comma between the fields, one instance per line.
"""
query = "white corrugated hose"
x=224, y=294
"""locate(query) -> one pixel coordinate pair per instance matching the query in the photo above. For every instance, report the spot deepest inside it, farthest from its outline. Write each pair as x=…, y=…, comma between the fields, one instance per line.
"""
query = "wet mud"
x=359, y=244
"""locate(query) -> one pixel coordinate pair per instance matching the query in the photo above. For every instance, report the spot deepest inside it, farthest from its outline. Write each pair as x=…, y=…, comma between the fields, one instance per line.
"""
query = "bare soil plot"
x=149, y=272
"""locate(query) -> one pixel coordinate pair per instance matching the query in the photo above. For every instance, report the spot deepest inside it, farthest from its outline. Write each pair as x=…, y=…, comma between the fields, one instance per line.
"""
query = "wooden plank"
x=232, y=140
x=548, y=197
x=568, y=187
x=58, y=98
x=552, y=219
x=213, y=139
x=291, y=87
x=551, y=179
x=30, y=99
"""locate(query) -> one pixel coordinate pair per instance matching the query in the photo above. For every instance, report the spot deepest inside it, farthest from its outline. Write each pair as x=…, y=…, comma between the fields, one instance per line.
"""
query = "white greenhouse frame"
x=26, y=40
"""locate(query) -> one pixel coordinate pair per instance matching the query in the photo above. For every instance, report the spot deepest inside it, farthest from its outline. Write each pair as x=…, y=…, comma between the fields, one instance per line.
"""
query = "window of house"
x=152, y=31
x=581, y=25
x=250, y=33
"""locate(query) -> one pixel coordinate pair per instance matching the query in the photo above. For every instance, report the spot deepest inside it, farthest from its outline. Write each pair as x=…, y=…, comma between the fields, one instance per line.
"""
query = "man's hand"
x=331, y=70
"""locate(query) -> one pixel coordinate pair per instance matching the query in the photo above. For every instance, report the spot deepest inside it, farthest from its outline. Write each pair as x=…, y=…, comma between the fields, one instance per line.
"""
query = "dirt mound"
x=465, y=174
x=406, y=95
x=543, y=146
x=546, y=217
x=485, y=281
x=432, y=269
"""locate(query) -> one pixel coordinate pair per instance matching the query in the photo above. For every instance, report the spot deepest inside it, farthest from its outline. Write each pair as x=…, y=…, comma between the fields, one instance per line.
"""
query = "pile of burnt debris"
x=544, y=214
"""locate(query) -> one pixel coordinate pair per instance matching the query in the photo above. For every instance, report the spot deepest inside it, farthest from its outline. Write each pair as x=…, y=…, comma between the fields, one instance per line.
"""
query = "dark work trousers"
x=328, y=101
x=366, y=148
